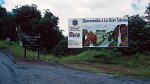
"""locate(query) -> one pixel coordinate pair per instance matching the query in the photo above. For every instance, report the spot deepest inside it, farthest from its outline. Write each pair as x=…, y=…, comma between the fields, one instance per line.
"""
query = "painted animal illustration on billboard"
x=119, y=36
x=89, y=38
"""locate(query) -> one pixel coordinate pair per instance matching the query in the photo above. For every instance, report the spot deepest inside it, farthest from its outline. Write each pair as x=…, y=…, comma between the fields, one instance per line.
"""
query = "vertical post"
x=89, y=56
x=25, y=52
x=38, y=53
x=38, y=48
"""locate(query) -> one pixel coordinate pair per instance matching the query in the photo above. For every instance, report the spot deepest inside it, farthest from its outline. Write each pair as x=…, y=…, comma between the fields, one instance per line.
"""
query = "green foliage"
x=25, y=13
x=26, y=16
x=62, y=49
x=106, y=56
x=139, y=35
x=18, y=52
x=50, y=58
x=29, y=19
x=49, y=31
x=139, y=62
x=94, y=56
x=12, y=47
x=7, y=25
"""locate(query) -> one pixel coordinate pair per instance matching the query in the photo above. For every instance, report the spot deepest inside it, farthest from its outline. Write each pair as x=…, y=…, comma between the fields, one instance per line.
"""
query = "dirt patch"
x=94, y=68
x=27, y=61
x=104, y=68
x=113, y=68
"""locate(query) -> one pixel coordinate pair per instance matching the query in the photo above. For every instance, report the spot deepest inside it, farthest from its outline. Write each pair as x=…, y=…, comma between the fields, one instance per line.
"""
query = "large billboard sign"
x=97, y=32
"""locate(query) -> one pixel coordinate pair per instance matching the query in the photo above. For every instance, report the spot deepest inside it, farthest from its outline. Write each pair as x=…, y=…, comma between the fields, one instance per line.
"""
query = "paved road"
x=11, y=73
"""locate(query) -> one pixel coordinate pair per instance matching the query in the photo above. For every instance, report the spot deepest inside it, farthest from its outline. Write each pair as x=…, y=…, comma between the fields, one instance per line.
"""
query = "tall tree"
x=147, y=30
x=2, y=23
x=138, y=34
x=26, y=16
x=49, y=30
x=7, y=25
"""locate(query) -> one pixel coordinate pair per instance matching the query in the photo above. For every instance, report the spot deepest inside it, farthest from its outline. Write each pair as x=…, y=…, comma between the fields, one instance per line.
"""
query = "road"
x=11, y=73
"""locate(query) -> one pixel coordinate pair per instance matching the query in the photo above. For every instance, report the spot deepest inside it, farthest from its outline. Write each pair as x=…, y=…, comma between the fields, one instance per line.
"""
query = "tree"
x=7, y=25
x=26, y=16
x=62, y=49
x=29, y=20
x=49, y=30
x=2, y=21
x=146, y=33
x=138, y=34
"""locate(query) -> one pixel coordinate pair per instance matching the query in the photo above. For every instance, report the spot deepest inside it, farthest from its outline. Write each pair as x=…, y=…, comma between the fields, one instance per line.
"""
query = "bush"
x=62, y=49
x=94, y=56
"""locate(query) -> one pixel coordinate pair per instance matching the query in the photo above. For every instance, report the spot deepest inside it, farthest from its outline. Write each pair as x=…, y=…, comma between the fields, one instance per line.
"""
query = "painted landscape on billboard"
x=105, y=36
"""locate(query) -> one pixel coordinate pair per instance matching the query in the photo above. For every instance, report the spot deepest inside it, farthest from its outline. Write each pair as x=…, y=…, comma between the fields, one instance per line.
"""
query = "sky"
x=66, y=9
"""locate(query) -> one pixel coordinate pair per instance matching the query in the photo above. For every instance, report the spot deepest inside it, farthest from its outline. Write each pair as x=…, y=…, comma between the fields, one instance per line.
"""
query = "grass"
x=18, y=52
x=105, y=61
x=111, y=62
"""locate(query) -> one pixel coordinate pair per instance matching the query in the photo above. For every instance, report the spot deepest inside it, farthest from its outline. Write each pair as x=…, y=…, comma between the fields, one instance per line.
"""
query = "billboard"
x=97, y=32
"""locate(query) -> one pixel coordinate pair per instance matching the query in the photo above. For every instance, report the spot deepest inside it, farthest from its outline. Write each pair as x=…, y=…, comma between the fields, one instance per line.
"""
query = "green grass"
x=110, y=57
x=18, y=52
x=93, y=56
x=137, y=65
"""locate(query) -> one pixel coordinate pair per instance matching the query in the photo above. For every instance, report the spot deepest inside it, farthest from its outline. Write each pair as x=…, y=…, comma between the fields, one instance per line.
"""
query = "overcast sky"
x=65, y=9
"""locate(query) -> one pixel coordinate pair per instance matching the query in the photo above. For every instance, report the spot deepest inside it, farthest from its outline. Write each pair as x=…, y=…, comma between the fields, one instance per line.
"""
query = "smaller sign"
x=75, y=34
x=31, y=40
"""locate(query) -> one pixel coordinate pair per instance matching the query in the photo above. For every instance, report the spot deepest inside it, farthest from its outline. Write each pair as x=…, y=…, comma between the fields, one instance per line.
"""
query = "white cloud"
x=65, y=9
